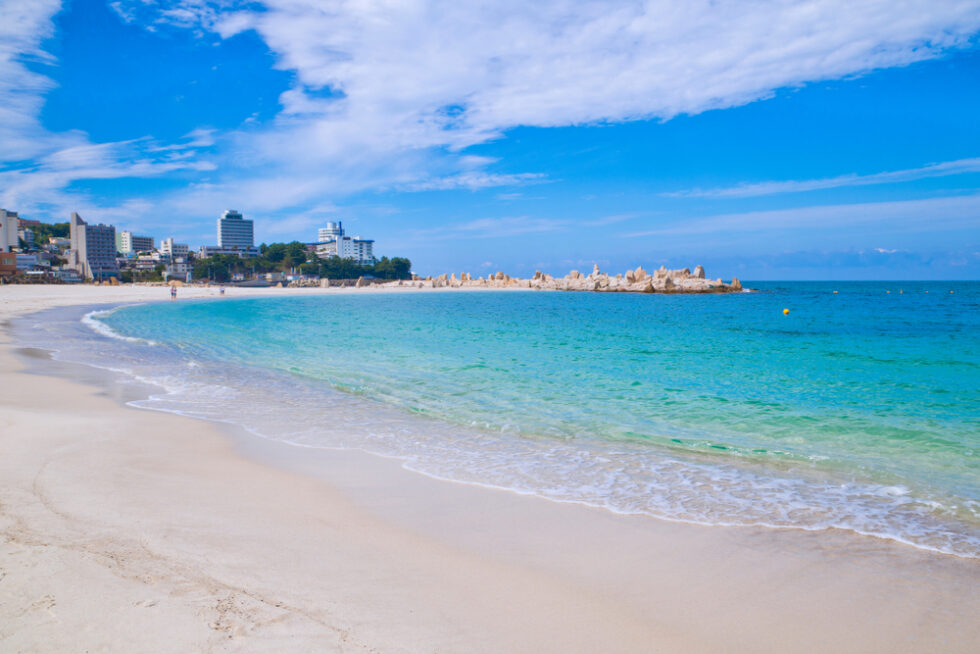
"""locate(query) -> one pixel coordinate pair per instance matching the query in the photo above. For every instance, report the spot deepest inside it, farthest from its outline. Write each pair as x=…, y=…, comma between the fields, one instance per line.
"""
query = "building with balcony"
x=93, y=249
x=174, y=250
x=331, y=242
x=129, y=243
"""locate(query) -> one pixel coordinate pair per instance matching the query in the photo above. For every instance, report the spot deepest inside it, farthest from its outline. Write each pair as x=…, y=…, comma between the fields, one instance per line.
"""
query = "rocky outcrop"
x=632, y=281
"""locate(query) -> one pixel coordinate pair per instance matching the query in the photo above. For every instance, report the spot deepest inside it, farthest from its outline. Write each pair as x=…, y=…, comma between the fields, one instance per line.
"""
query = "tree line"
x=288, y=257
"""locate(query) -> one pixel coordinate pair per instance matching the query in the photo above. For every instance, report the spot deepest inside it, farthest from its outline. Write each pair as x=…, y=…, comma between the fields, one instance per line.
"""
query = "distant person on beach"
x=221, y=291
x=173, y=292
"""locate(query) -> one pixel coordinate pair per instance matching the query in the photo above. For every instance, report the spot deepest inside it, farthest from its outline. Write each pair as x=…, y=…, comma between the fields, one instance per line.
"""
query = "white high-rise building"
x=234, y=232
x=8, y=230
x=331, y=231
x=174, y=250
x=331, y=242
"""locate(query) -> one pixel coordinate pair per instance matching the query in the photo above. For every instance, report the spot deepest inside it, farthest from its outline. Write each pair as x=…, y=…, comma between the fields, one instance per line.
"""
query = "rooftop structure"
x=234, y=231
x=331, y=232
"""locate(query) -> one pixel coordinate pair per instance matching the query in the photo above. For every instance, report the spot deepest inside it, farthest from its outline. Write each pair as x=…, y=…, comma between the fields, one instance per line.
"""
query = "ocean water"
x=859, y=410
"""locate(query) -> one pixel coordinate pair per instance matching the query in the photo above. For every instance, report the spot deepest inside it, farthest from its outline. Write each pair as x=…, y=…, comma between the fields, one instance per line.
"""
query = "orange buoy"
x=785, y=312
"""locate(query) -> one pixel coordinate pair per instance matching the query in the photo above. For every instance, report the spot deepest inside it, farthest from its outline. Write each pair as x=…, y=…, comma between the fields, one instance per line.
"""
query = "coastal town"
x=79, y=251
x=82, y=251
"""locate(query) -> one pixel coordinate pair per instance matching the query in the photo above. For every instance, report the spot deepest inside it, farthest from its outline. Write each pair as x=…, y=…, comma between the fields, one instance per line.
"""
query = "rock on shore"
x=638, y=280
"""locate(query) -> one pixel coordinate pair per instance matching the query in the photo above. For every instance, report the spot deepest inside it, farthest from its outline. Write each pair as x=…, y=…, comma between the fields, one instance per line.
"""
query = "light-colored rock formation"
x=633, y=281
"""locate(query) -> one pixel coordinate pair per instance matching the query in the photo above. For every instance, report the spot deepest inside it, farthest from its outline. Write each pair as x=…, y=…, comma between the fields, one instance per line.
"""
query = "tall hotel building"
x=93, y=249
x=234, y=232
x=331, y=242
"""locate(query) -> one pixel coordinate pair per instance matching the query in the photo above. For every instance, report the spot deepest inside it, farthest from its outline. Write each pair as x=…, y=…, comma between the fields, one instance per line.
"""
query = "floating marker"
x=785, y=312
x=927, y=291
x=835, y=292
x=887, y=291
x=951, y=291
x=900, y=291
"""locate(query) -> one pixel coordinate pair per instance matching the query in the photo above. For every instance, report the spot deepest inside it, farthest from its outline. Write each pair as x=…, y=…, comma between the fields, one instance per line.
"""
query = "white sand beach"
x=126, y=530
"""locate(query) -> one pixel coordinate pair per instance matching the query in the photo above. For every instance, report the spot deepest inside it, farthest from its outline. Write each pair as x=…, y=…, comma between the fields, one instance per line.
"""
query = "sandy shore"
x=135, y=531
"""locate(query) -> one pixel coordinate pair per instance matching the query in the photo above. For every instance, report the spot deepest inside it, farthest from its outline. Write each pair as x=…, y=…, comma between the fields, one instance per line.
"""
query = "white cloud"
x=472, y=69
x=412, y=82
x=474, y=181
x=389, y=92
x=36, y=165
x=943, y=169
x=493, y=227
x=23, y=26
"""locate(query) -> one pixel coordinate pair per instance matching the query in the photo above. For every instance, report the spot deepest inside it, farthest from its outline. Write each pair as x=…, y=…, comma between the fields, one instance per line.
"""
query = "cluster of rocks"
x=632, y=281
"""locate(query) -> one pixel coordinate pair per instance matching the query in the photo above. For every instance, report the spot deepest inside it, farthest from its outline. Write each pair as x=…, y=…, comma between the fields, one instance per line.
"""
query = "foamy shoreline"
x=191, y=546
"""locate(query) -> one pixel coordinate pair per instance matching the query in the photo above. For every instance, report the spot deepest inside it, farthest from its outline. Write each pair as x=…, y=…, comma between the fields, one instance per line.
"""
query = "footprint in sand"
x=47, y=603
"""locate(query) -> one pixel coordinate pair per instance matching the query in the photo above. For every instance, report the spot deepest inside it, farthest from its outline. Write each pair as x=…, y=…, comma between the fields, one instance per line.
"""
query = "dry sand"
x=124, y=530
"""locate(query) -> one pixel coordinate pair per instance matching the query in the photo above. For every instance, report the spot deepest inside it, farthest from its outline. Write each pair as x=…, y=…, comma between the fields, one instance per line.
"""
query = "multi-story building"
x=8, y=263
x=331, y=242
x=174, y=250
x=331, y=232
x=234, y=232
x=179, y=270
x=93, y=249
x=30, y=262
x=26, y=234
x=59, y=243
x=8, y=230
x=129, y=243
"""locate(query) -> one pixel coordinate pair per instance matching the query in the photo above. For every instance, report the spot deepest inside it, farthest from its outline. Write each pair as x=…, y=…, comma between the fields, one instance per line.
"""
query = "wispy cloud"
x=474, y=181
x=412, y=84
x=493, y=228
x=943, y=169
x=951, y=213
x=388, y=95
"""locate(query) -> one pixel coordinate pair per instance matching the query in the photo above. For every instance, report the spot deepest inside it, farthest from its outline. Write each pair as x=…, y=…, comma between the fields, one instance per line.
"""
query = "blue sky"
x=767, y=140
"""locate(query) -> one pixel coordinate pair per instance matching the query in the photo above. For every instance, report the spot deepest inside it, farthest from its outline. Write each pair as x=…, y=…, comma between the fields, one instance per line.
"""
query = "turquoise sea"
x=858, y=410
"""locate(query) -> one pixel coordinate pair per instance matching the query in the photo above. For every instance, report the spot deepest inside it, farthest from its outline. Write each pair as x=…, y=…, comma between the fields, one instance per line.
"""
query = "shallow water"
x=859, y=410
